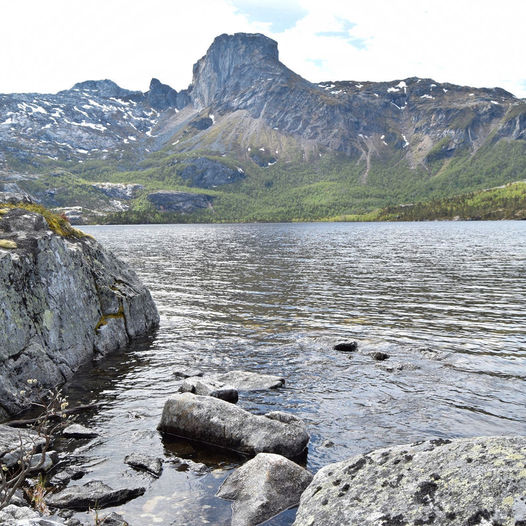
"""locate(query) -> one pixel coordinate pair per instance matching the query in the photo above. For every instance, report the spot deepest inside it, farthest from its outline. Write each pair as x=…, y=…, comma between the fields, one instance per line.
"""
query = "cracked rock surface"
x=63, y=301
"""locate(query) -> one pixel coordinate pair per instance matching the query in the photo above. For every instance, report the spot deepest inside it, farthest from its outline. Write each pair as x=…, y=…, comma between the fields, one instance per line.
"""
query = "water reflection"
x=444, y=300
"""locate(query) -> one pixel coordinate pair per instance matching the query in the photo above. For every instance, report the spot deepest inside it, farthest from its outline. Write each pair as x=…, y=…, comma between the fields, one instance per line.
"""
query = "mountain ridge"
x=245, y=110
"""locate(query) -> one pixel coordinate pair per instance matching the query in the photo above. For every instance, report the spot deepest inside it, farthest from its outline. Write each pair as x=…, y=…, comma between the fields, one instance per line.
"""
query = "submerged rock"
x=249, y=381
x=209, y=387
x=152, y=465
x=217, y=422
x=94, y=494
x=263, y=487
x=79, y=431
x=346, y=346
x=64, y=299
x=185, y=464
x=379, y=356
x=473, y=481
x=184, y=372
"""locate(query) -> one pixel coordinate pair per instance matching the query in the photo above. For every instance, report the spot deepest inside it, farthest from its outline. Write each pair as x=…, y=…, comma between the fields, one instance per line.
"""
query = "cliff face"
x=64, y=300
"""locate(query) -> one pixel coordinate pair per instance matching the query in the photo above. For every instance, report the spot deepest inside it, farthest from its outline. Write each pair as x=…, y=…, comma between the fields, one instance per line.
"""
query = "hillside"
x=250, y=140
x=504, y=202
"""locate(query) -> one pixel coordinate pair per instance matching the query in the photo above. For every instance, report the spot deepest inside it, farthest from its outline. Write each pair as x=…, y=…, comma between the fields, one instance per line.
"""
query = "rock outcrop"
x=263, y=487
x=180, y=202
x=207, y=173
x=474, y=481
x=65, y=300
x=215, y=421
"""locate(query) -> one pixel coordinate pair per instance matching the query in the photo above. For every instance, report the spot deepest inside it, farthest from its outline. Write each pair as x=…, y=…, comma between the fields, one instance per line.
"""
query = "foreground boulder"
x=474, y=481
x=263, y=487
x=64, y=300
x=217, y=422
x=94, y=494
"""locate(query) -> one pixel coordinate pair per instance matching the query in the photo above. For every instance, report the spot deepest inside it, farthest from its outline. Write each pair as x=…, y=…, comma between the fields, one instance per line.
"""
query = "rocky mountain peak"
x=103, y=88
x=232, y=61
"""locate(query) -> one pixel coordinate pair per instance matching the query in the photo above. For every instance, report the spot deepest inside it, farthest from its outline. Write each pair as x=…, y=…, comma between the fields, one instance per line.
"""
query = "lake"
x=445, y=300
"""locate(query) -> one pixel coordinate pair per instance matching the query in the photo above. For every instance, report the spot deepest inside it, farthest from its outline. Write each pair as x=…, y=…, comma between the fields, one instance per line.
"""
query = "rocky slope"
x=247, y=125
x=65, y=300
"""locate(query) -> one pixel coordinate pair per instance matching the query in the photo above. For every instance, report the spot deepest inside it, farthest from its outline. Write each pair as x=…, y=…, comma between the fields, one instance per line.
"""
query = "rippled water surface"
x=444, y=300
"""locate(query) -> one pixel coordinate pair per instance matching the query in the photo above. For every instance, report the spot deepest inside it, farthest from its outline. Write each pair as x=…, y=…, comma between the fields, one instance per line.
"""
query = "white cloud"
x=49, y=45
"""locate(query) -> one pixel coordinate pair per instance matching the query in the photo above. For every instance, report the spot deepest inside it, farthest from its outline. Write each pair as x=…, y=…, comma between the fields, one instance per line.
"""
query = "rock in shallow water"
x=473, y=481
x=79, y=431
x=217, y=422
x=209, y=387
x=263, y=487
x=249, y=381
x=184, y=372
x=90, y=495
x=346, y=347
x=152, y=465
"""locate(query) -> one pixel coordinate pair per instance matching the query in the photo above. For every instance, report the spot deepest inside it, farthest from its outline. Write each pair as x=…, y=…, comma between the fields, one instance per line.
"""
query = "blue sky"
x=49, y=45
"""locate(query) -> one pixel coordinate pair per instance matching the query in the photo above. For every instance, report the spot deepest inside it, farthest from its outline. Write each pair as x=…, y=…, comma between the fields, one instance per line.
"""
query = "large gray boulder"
x=215, y=421
x=474, y=481
x=65, y=300
x=263, y=487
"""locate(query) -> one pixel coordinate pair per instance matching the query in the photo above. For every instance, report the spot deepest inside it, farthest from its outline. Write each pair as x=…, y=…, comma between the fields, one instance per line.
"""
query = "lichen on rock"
x=64, y=300
x=471, y=481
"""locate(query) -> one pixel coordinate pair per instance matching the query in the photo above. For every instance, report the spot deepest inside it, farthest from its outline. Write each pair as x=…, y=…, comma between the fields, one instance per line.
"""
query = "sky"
x=49, y=45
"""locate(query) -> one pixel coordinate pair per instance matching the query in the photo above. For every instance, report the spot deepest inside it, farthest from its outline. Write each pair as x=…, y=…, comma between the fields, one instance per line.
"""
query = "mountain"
x=252, y=140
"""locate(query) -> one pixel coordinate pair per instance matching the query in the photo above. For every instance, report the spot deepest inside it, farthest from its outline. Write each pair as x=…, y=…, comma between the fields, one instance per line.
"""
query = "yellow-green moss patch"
x=57, y=224
x=6, y=243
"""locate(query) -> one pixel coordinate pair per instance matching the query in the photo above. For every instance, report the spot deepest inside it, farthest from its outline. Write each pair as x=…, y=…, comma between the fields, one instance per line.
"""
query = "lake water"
x=444, y=300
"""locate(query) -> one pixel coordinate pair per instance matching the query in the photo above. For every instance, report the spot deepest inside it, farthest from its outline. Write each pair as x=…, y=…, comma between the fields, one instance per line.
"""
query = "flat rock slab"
x=217, y=422
x=249, y=381
x=152, y=465
x=473, y=481
x=79, y=431
x=263, y=487
x=94, y=494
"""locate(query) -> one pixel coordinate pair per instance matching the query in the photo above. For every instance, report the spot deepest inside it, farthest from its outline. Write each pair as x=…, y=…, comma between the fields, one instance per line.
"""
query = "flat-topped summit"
x=233, y=61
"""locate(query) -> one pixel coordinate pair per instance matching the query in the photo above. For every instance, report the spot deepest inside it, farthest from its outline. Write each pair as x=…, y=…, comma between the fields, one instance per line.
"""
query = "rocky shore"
x=65, y=301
